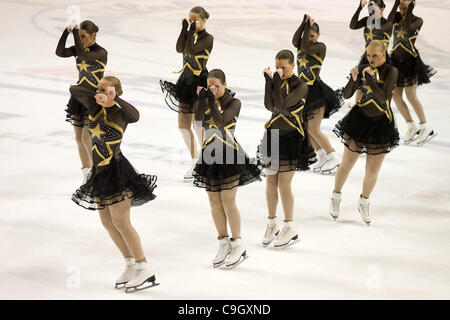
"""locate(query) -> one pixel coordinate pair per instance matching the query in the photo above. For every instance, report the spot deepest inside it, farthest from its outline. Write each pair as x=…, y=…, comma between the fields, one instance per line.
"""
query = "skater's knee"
x=107, y=223
x=121, y=224
x=272, y=182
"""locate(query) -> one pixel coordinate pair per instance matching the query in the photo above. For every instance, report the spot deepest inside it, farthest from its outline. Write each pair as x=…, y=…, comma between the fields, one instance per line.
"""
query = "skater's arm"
x=202, y=44
x=228, y=115
x=393, y=14
x=131, y=114
x=292, y=98
x=268, y=93
x=409, y=24
x=297, y=38
x=181, y=42
x=355, y=23
x=388, y=86
x=81, y=52
x=61, y=50
x=353, y=83
x=311, y=48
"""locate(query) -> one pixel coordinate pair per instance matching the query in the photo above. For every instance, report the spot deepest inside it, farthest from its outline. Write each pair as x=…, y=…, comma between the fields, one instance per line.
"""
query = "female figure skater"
x=196, y=45
x=223, y=165
x=411, y=71
x=91, y=62
x=321, y=101
x=371, y=32
x=113, y=185
x=285, y=147
x=369, y=127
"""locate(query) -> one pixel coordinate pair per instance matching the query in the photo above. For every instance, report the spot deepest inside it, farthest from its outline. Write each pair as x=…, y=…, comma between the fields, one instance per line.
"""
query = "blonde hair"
x=378, y=44
x=115, y=83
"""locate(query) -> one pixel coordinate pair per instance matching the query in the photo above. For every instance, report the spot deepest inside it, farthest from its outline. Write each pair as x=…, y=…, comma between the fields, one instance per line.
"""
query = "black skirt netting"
x=321, y=95
x=294, y=154
x=363, y=134
x=113, y=183
x=214, y=176
x=365, y=61
x=180, y=97
x=411, y=70
x=76, y=113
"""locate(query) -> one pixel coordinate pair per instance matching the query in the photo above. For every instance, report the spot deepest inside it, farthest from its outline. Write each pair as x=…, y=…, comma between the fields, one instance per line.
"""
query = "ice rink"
x=52, y=249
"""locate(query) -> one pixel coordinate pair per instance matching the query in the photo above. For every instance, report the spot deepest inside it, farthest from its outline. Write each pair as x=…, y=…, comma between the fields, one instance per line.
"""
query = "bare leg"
x=87, y=141
x=272, y=194
x=84, y=155
x=348, y=161
x=232, y=212
x=317, y=134
x=373, y=165
x=411, y=95
x=401, y=104
x=120, y=214
x=218, y=214
x=185, y=126
x=287, y=198
x=313, y=141
x=115, y=235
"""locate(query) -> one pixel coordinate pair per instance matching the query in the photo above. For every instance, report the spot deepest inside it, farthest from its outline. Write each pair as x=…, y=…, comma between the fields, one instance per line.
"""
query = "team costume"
x=91, y=63
x=310, y=58
x=112, y=178
x=369, y=127
x=196, y=48
x=223, y=163
x=384, y=33
x=286, y=100
x=404, y=54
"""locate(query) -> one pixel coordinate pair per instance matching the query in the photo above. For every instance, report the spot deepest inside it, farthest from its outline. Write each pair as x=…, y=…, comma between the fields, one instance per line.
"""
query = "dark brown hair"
x=201, y=12
x=285, y=55
x=218, y=74
x=89, y=26
x=115, y=83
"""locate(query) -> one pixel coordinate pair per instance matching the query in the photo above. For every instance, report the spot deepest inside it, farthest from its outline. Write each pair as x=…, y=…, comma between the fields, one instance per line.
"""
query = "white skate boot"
x=363, y=208
x=288, y=236
x=238, y=254
x=332, y=163
x=126, y=276
x=143, y=274
x=321, y=160
x=335, y=205
x=85, y=171
x=223, y=253
x=426, y=133
x=272, y=232
x=188, y=175
x=411, y=133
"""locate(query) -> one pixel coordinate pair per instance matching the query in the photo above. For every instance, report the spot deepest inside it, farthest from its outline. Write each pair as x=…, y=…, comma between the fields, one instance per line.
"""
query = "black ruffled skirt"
x=184, y=92
x=411, y=70
x=293, y=154
x=218, y=172
x=113, y=183
x=363, y=134
x=76, y=113
x=321, y=95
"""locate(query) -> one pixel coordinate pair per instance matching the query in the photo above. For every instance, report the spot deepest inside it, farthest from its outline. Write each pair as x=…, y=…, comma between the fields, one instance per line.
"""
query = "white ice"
x=49, y=245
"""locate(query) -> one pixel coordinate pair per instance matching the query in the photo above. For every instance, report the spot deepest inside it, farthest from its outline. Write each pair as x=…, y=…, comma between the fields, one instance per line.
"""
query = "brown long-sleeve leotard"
x=376, y=90
x=196, y=48
x=91, y=61
x=106, y=125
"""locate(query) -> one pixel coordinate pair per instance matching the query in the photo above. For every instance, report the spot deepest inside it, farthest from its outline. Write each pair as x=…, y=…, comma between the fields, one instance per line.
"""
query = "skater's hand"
x=101, y=99
x=411, y=5
x=184, y=23
x=368, y=70
x=111, y=92
x=354, y=72
x=213, y=89
x=70, y=28
x=280, y=73
x=268, y=71
x=363, y=3
x=311, y=20
x=197, y=24
x=199, y=90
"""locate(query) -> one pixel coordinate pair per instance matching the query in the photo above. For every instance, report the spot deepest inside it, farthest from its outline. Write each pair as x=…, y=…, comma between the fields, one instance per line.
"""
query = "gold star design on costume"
x=219, y=107
x=369, y=35
x=368, y=89
x=303, y=62
x=96, y=132
x=211, y=123
x=83, y=65
x=401, y=33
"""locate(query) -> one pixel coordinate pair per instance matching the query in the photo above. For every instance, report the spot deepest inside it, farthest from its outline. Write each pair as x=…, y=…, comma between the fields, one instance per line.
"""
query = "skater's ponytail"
x=115, y=83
